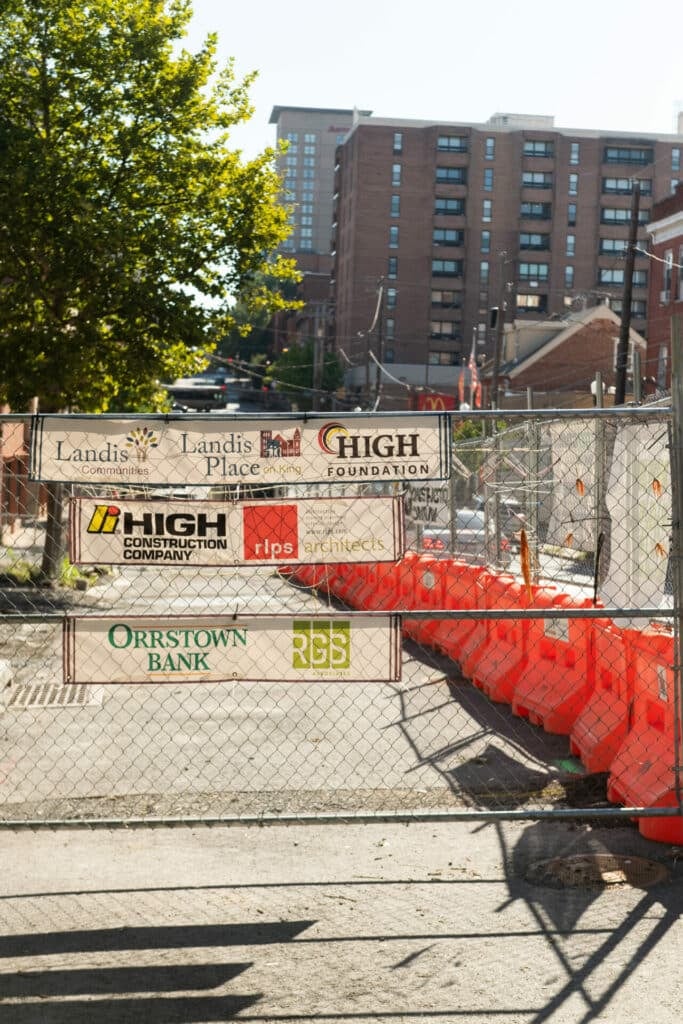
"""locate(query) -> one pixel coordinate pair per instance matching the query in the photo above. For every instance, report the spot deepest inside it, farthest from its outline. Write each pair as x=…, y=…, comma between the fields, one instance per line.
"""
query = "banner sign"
x=205, y=533
x=198, y=450
x=214, y=649
x=427, y=505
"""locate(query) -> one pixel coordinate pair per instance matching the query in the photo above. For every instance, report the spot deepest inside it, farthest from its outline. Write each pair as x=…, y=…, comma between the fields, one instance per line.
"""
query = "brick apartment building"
x=454, y=219
x=665, y=286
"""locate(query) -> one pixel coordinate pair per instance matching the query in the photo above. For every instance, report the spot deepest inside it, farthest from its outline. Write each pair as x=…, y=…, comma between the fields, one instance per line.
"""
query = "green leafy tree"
x=293, y=372
x=127, y=224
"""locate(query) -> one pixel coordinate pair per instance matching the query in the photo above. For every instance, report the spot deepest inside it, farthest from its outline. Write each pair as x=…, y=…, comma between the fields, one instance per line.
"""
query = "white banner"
x=199, y=450
x=212, y=649
x=204, y=533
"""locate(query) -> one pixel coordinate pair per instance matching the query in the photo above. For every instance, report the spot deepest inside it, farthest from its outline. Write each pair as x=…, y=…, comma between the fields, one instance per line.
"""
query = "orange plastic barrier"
x=642, y=773
x=461, y=590
x=506, y=655
x=560, y=674
x=458, y=639
x=424, y=592
x=602, y=724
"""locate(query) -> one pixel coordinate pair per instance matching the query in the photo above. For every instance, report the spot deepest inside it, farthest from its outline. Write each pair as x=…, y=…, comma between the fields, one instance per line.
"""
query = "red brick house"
x=559, y=359
x=665, y=297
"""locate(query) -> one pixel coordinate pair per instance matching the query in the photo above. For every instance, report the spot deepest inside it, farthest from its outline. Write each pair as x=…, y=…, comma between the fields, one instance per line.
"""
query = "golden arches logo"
x=434, y=403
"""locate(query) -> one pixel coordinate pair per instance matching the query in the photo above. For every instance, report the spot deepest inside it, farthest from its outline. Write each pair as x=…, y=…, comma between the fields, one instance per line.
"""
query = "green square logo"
x=320, y=644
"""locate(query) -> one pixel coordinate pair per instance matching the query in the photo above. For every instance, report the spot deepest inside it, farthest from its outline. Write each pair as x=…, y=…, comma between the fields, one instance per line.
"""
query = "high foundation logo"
x=320, y=644
x=335, y=439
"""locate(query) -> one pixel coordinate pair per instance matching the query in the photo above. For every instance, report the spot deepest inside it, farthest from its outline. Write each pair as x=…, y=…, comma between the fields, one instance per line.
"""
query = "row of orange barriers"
x=610, y=690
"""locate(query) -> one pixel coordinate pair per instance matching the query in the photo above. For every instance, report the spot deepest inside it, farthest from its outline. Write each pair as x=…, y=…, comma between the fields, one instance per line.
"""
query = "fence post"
x=676, y=444
x=533, y=490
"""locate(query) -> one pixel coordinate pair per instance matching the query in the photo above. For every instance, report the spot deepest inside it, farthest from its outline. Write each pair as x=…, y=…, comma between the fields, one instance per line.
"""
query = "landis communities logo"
x=141, y=441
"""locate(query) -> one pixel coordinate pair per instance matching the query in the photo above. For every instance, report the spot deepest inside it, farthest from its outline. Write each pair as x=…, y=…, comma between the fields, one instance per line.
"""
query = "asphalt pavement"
x=340, y=923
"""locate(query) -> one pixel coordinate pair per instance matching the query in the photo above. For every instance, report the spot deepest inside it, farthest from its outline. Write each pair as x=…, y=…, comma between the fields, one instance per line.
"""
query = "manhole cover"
x=597, y=870
x=48, y=696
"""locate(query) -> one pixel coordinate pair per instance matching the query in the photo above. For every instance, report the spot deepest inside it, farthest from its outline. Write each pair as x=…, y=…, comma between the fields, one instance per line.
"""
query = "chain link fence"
x=496, y=641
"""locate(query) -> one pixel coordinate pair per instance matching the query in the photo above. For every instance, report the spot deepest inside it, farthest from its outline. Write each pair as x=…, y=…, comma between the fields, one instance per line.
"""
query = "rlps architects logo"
x=321, y=644
x=270, y=531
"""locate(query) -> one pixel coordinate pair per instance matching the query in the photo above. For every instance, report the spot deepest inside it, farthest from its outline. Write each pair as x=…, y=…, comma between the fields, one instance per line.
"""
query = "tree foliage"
x=127, y=224
x=293, y=372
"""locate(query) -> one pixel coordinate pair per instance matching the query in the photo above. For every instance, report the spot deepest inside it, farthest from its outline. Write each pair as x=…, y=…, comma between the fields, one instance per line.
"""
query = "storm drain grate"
x=602, y=870
x=48, y=696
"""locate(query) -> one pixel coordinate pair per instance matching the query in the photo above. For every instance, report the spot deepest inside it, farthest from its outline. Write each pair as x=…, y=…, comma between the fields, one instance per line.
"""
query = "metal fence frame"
x=669, y=415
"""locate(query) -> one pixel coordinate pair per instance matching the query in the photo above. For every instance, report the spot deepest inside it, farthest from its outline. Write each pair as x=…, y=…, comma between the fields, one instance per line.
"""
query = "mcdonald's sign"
x=435, y=402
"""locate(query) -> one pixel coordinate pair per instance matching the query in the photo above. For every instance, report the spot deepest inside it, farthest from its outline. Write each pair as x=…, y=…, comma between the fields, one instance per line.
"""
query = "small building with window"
x=665, y=298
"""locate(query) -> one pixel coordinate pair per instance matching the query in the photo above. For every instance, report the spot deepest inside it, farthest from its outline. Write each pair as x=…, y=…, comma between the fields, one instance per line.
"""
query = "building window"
x=309, y=172
x=570, y=248
x=573, y=184
x=310, y=137
x=290, y=172
x=447, y=268
x=309, y=150
x=306, y=243
x=537, y=147
x=443, y=329
x=444, y=358
x=305, y=221
x=451, y=175
x=668, y=275
x=532, y=303
x=395, y=206
x=393, y=236
x=309, y=161
x=624, y=186
x=486, y=210
x=613, y=246
x=571, y=214
x=490, y=148
x=391, y=298
x=290, y=161
x=569, y=277
x=306, y=232
x=537, y=179
x=621, y=215
x=390, y=329
x=452, y=143
x=662, y=364
x=447, y=236
x=574, y=153
x=446, y=298
x=306, y=197
x=533, y=271
x=674, y=185
x=628, y=155
x=388, y=355
x=292, y=137
x=610, y=275
x=449, y=206
x=531, y=240
x=398, y=142
x=486, y=241
x=395, y=175
x=306, y=207
x=675, y=159
x=392, y=267
x=484, y=272
x=536, y=211
x=488, y=179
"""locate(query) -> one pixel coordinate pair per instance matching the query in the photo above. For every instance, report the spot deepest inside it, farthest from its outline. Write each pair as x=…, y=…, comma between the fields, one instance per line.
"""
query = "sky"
x=590, y=64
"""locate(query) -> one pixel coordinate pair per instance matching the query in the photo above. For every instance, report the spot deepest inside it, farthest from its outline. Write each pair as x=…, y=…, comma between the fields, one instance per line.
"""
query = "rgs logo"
x=320, y=644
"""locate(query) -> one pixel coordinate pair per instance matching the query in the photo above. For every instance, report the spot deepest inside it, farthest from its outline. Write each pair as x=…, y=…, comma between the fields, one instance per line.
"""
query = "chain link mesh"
x=536, y=674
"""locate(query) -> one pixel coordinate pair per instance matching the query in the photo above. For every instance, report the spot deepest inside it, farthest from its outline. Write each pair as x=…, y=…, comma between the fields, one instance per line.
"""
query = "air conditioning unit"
x=665, y=296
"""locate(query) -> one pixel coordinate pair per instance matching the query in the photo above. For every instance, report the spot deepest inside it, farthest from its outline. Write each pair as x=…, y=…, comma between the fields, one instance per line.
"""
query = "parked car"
x=471, y=541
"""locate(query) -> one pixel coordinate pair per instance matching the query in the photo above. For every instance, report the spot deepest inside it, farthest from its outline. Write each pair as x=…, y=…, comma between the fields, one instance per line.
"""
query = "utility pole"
x=622, y=347
x=499, y=325
x=380, y=342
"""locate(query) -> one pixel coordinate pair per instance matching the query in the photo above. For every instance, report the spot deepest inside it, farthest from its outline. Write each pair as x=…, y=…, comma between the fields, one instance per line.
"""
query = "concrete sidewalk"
x=377, y=923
